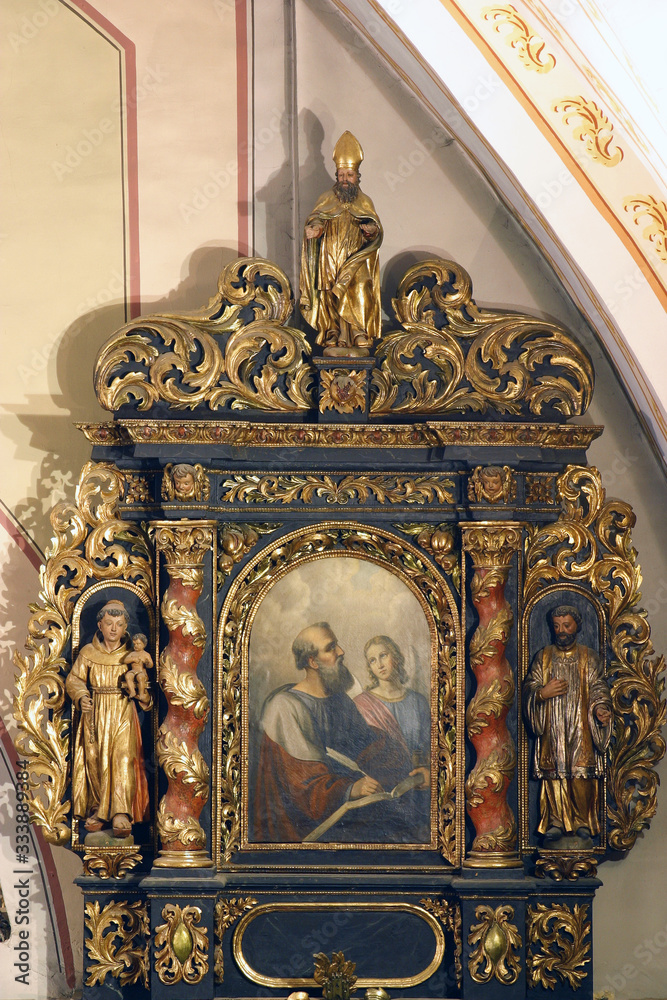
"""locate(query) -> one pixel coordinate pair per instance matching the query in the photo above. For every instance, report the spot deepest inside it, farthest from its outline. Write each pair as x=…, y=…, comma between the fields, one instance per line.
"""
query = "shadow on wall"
x=278, y=194
x=64, y=449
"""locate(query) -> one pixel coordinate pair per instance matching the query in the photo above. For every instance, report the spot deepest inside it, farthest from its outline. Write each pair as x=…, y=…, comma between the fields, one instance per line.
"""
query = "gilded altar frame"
x=451, y=467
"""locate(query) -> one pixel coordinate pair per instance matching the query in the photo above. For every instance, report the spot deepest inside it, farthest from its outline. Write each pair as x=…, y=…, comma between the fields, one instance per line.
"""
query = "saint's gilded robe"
x=570, y=742
x=340, y=272
x=108, y=774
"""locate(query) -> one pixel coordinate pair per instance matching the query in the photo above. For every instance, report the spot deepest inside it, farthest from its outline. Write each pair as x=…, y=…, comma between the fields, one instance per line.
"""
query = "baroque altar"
x=339, y=649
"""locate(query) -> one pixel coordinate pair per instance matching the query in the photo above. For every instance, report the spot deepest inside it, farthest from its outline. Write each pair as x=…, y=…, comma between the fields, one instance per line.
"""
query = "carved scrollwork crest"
x=590, y=545
x=235, y=353
x=454, y=356
x=91, y=544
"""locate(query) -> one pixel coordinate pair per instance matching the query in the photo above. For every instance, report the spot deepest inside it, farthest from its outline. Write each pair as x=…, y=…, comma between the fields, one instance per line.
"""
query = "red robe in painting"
x=301, y=778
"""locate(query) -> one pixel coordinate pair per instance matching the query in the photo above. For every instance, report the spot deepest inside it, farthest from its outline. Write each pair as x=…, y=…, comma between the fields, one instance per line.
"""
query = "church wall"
x=79, y=244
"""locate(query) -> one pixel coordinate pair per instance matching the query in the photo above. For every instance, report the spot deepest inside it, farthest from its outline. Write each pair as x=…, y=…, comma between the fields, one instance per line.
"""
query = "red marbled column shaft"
x=181, y=722
x=494, y=813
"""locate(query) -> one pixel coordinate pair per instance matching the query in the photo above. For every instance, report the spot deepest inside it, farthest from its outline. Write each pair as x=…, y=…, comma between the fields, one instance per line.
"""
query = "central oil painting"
x=339, y=714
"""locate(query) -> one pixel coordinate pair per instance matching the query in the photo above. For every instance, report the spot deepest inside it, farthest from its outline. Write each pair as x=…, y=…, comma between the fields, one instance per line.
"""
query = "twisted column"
x=491, y=547
x=184, y=547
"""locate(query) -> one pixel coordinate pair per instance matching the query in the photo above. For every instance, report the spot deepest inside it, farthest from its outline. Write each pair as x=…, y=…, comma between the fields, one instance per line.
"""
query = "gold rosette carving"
x=378, y=546
x=91, y=544
x=591, y=545
x=118, y=942
x=594, y=129
x=559, y=944
x=497, y=943
x=211, y=357
x=343, y=391
x=453, y=355
x=181, y=947
x=530, y=48
x=227, y=912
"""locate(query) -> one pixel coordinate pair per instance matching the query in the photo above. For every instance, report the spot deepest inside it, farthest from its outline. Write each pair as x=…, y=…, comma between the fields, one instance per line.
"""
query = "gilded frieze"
x=337, y=489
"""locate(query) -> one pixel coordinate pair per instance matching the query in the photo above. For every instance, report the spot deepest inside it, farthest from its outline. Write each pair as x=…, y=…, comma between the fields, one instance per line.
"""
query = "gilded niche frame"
x=545, y=597
x=435, y=594
x=112, y=589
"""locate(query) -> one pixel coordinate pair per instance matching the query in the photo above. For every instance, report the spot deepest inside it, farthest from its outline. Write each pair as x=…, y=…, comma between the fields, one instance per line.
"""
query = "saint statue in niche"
x=109, y=785
x=340, y=273
x=568, y=708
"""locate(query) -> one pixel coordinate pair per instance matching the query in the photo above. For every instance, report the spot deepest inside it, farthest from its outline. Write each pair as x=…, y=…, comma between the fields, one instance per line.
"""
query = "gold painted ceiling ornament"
x=656, y=231
x=452, y=355
x=348, y=152
x=593, y=128
x=530, y=48
x=213, y=357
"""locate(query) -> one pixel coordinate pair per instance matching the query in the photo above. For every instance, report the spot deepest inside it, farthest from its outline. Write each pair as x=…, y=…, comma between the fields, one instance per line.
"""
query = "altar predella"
x=338, y=677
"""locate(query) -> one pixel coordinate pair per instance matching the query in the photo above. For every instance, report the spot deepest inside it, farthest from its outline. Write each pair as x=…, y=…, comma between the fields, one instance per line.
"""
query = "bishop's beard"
x=565, y=641
x=336, y=679
x=345, y=191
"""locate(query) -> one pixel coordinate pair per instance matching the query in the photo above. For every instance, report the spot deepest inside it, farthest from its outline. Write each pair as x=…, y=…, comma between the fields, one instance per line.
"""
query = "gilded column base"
x=492, y=859
x=183, y=859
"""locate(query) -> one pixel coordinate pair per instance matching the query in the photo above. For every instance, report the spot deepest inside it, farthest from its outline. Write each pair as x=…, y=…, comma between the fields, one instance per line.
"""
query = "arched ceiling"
x=560, y=105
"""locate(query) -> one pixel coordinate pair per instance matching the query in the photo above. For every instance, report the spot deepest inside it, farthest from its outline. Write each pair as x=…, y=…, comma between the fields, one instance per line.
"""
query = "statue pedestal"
x=343, y=389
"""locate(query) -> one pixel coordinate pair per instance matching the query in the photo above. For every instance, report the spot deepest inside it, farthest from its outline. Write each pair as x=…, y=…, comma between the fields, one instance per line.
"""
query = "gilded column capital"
x=184, y=544
x=491, y=543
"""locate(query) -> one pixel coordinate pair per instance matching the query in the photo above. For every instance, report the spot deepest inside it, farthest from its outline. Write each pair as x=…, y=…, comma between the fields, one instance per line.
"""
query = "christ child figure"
x=136, y=681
